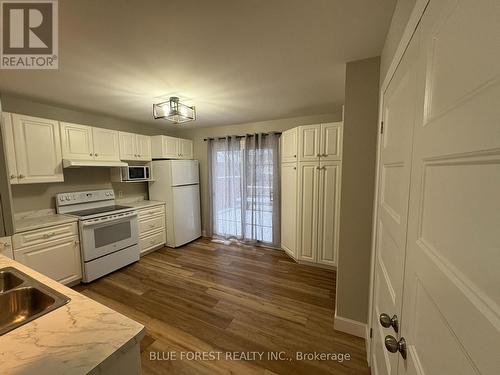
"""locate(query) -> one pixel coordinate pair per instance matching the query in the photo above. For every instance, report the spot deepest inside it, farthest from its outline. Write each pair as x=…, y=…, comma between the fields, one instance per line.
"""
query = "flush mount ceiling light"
x=175, y=111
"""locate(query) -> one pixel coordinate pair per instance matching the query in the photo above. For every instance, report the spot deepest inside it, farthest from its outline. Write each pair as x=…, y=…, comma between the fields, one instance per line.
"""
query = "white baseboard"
x=353, y=327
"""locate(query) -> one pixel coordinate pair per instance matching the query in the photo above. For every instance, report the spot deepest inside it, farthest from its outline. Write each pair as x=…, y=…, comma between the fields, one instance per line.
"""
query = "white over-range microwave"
x=136, y=173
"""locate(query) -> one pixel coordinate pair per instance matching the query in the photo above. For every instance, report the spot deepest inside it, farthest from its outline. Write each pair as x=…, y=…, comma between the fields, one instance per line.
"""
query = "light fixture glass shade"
x=174, y=111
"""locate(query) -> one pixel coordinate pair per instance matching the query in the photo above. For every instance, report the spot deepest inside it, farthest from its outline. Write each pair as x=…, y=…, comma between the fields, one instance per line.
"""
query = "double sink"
x=24, y=299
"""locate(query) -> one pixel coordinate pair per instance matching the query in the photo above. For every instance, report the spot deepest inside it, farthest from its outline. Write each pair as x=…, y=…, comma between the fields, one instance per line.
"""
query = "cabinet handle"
x=294, y=167
x=20, y=176
x=95, y=154
x=48, y=235
x=90, y=154
x=294, y=156
x=318, y=155
x=12, y=176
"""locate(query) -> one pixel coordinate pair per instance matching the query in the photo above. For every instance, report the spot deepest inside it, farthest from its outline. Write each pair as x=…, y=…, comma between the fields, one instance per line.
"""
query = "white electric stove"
x=109, y=233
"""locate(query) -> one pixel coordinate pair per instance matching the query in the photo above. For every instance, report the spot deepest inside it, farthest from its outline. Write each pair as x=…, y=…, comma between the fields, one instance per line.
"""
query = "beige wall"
x=358, y=181
x=200, y=146
x=41, y=196
x=399, y=20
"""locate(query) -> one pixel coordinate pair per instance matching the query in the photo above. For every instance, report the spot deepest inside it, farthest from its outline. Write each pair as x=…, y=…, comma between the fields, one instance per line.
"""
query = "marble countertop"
x=26, y=221
x=141, y=204
x=80, y=337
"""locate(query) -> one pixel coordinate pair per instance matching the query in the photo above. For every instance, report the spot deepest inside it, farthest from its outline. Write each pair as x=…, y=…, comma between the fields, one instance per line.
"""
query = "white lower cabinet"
x=152, y=229
x=6, y=247
x=56, y=256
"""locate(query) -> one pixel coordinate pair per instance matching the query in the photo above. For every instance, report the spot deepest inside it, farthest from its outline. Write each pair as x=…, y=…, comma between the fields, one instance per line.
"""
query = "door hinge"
x=381, y=127
x=371, y=332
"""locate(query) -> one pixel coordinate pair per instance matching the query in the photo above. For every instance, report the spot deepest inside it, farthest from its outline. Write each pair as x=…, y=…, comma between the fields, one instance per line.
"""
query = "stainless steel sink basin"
x=8, y=281
x=23, y=299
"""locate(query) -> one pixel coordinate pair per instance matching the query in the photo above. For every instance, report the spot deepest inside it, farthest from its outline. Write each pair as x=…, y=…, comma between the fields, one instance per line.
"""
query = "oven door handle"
x=116, y=219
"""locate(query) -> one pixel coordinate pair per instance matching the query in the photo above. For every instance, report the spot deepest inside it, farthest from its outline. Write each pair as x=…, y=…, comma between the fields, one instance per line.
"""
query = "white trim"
x=413, y=21
x=353, y=327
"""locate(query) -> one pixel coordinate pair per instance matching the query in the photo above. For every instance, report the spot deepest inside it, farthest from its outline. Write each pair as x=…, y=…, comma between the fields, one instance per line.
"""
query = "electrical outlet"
x=120, y=194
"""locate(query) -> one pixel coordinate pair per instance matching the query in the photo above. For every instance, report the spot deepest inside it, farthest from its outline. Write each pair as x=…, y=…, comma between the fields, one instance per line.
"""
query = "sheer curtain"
x=244, y=188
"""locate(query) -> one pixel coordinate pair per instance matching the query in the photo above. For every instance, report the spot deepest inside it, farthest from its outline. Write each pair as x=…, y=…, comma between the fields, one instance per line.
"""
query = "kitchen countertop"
x=141, y=204
x=26, y=221
x=80, y=337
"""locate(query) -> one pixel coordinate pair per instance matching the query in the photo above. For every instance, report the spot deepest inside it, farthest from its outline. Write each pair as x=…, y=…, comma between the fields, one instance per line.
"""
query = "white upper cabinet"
x=106, y=144
x=309, y=142
x=289, y=145
x=77, y=141
x=37, y=147
x=143, y=143
x=128, y=146
x=135, y=147
x=331, y=145
x=166, y=147
x=10, y=152
x=186, y=148
x=82, y=142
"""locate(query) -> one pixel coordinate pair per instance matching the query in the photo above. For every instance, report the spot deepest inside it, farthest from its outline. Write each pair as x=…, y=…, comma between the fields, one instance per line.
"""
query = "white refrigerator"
x=177, y=183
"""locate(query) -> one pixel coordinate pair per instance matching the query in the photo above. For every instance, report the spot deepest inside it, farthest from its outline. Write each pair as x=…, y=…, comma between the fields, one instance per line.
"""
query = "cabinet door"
x=105, y=144
x=186, y=148
x=309, y=142
x=331, y=141
x=289, y=146
x=328, y=213
x=289, y=208
x=171, y=147
x=59, y=260
x=10, y=152
x=127, y=146
x=37, y=145
x=307, y=226
x=143, y=144
x=6, y=247
x=76, y=141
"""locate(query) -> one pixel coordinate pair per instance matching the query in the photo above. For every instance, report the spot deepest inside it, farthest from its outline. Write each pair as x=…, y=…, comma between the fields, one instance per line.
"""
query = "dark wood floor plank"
x=209, y=296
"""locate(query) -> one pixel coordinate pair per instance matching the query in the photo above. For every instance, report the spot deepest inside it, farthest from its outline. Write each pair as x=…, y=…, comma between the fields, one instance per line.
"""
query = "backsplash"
x=34, y=197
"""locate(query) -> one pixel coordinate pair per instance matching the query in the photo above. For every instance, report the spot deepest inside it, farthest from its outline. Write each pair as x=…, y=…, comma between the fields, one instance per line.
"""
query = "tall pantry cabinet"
x=311, y=163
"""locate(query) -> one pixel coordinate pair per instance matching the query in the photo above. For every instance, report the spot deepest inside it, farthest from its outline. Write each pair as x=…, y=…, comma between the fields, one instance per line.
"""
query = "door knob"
x=386, y=321
x=393, y=345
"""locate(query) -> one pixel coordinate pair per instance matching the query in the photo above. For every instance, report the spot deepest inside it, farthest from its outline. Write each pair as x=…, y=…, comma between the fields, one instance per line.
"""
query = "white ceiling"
x=237, y=60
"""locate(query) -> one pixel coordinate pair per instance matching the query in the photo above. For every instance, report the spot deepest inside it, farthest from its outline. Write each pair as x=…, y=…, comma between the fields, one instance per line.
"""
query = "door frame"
x=413, y=21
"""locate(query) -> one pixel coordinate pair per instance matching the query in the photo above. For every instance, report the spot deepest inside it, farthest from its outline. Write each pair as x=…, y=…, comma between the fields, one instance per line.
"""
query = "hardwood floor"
x=209, y=297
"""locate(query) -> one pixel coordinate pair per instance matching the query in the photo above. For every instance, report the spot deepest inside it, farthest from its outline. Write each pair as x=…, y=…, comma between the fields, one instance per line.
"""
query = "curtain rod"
x=240, y=136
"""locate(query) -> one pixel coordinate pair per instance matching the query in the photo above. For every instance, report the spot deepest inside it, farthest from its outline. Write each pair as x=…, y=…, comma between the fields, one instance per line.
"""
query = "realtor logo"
x=29, y=37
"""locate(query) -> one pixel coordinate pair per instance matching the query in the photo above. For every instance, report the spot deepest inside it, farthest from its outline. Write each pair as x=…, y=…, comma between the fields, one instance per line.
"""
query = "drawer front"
x=6, y=247
x=152, y=224
x=148, y=212
x=58, y=259
x=38, y=236
x=153, y=240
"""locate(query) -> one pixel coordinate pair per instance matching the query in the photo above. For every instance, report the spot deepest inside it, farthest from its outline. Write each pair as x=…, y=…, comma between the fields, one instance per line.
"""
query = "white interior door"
x=394, y=183
x=289, y=208
x=451, y=320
